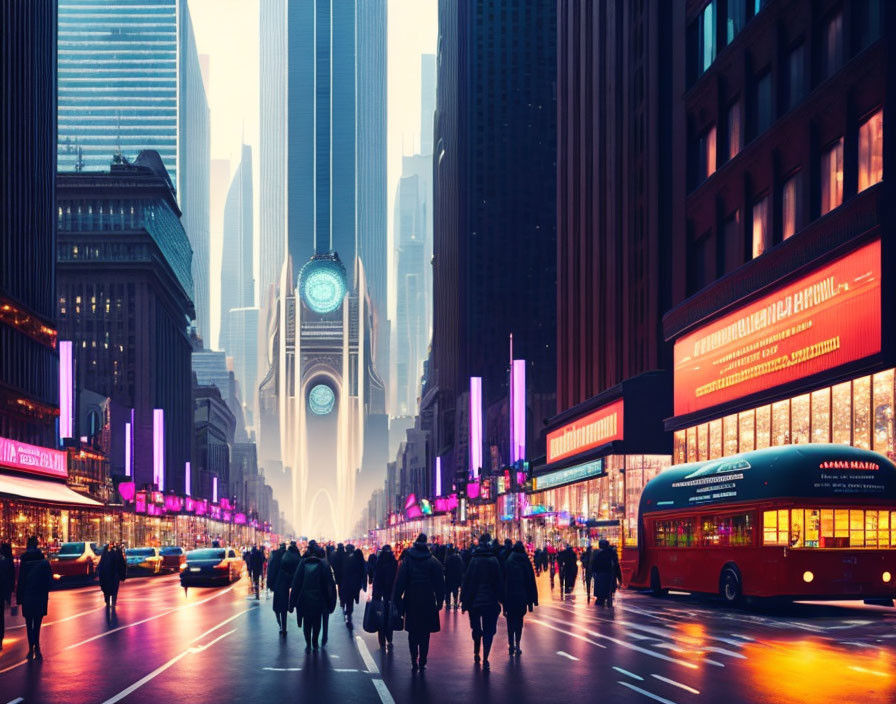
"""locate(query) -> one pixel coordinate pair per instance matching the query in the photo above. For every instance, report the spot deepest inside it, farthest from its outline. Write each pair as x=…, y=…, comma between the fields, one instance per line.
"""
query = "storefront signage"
x=240, y=519
x=826, y=319
x=593, y=430
x=33, y=459
x=569, y=475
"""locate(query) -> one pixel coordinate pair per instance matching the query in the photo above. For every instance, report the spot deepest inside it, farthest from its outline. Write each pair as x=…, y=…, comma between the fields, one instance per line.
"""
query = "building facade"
x=237, y=280
x=781, y=261
x=125, y=301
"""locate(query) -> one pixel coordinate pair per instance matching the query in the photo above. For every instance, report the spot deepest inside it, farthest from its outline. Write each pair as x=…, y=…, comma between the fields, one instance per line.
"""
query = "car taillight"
x=222, y=566
x=183, y=565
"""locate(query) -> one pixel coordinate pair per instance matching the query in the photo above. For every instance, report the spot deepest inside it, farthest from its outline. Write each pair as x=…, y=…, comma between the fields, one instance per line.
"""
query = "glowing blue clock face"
x=323, y=289
x=321, y=400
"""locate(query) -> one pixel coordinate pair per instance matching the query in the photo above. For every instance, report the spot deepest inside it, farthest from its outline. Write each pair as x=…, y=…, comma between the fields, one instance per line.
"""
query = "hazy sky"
x=227, y=30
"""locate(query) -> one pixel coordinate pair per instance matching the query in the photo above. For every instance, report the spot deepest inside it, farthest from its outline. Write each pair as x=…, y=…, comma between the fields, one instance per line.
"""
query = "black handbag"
x=396, y=618
x=374, y=616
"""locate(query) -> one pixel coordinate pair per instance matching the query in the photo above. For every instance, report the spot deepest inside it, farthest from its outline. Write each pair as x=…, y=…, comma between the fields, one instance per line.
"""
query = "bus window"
x=709, y=533
x=674, y=534
x=797, y=532
x=871, y=523
x=774, y=527
x=742, y=529
x=811, y=531
x=856, y=529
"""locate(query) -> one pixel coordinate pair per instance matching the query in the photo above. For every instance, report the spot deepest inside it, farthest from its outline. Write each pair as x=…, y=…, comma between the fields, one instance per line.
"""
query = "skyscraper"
x=237, y=284
x=494, y=215
x=131, y=80
x=427, y=101
x=29, y=369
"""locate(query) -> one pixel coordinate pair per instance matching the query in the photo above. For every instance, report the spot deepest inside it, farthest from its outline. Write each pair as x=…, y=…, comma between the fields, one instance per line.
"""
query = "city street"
x=221, y=645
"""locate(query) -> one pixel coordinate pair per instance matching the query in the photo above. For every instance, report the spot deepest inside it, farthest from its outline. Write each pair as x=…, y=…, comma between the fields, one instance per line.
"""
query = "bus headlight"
x=808, y=576
x=886, y=577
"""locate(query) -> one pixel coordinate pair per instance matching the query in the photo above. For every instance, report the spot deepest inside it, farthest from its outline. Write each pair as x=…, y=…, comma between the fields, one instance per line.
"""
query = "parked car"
x=174, y=558
x=143, y=561
x=211, y=566
x=75, y=561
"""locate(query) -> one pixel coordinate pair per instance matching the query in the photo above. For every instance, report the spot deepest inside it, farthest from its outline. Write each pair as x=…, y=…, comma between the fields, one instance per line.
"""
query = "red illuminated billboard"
x=597, y=428
x=34, y=459
x=825, y=319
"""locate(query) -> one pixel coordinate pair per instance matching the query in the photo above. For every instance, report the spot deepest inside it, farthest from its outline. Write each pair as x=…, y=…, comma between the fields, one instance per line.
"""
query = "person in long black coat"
x=420, y=593
x=337, y=561
x=606, y=573
x=481, y=595
x=312, y=593
x=586, y=572
x=570, y=569
x=371, y=566
x=112, y=571
x=255, y=566
x=454, y=574
x=354, y=580
x=288, y=565
x=383, y=584
x=7, y=582
x=33, y=593
x=274, y=565
x=521, y=595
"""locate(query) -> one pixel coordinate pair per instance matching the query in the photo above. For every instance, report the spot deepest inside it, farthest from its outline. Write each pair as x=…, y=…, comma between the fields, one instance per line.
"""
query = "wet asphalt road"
x=220, y=645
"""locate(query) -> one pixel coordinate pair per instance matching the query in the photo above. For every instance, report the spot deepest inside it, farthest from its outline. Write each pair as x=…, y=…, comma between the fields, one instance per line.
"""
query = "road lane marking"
x=627, y=673
x=383, y=691
x=653, y=696
x=366, y=657
x=566, y=655
x=61, y=620
x=677, y=684
x=568, y=633
x=200, y=648
x=282, y=669
x=345, y=669
x=16, y=701
x=857, y=668
x=223, y=623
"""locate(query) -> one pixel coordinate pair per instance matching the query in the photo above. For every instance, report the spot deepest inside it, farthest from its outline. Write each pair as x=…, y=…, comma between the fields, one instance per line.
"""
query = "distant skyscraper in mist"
x=237, y=284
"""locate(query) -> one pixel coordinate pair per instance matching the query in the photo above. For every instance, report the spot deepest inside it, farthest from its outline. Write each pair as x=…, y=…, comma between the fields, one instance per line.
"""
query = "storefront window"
x=841, y=403
x=861, y=411
x=729, y=429
x=821, y=415
x=763, y=427
x=702, y=442
x=747, y=421
x=715, y=439
x=692, y=444
x=680, y=449
x=883, y=412
x=799, y=419
x=781, y=423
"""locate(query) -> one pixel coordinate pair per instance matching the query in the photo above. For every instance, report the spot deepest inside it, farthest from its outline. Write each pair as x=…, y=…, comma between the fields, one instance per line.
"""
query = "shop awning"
x=42, y=490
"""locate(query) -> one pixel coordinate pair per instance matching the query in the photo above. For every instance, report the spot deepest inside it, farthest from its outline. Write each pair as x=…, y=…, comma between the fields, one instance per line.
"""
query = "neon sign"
x=593, y=430
x=33, y=459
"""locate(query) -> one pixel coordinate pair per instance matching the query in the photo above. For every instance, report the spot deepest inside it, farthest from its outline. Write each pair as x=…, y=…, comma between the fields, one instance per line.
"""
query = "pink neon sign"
x=66, y=401
x=158, y=447
x=475, y=425
x=31, y=458
x=240, y=519
x=127, y=490
x=518, y=410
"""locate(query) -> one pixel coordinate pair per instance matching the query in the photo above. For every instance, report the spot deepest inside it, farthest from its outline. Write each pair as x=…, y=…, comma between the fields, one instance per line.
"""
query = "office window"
x=732, y=251
x=866, y=21
x=832, y=177
x=735, y=131
x=702, y=40
x=706, y=154
x=796, y=75
x=762, y=103
x=871, y=150
x=832, y=46
x=702, y=269
x=790, y=206
x=758, y=5
x=736, y=15
x=761, y=231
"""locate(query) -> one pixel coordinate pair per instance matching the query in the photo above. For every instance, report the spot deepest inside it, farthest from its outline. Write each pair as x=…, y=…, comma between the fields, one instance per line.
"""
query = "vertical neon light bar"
x=66, y=401
x=127, y=449
x=214, y=490
x=158, y=447
x=187, y=475
x=438, y=476
x=518, y=410
x=475, y=425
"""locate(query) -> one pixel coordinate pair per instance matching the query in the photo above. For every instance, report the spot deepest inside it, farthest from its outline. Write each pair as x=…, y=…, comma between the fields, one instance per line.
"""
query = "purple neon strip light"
x=127, y=449
x=518, y=411
x=438, y=476
x=66, y=401
x=214, y=490
x=188, y=478
x=475, y=425
x=158, y=447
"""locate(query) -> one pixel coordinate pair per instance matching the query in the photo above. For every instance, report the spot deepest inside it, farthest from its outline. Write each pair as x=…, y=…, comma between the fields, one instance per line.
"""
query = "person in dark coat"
x=521, y=595
x=481, y=595
x=586, y=572
x=289, y=562
x=7, y=582
x=504, y=552
x=606, y=572
x=33, y=593
x=313, y=592
x=420, y=592
x=383, y=584
x=274, y=565
x=569, y=569
x=371, y=566
x=454, y=574
x=337, y=561
x=354, y=580
x=112, y=571
x=256, y=567
x=536, y=560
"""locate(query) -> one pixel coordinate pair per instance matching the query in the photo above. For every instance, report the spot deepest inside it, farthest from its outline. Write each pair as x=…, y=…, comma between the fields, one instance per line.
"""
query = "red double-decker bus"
x=794, y=522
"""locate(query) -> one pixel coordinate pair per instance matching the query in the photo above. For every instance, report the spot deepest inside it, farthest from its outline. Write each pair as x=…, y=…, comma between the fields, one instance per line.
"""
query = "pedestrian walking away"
x=288, y=564
x=569, y=569
x=420, y=593
x=256, y=567
x=274, y=566
x=112, y=571
x=337, y=561
x=383, y=584
x=313, y=592
x=481, y=595
x=606, y=572
x=521, y=595
x=371, y=566
x=7, y=582
x=354, y=581
x=454, y=574
x=33, y=593
x=586, y=572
